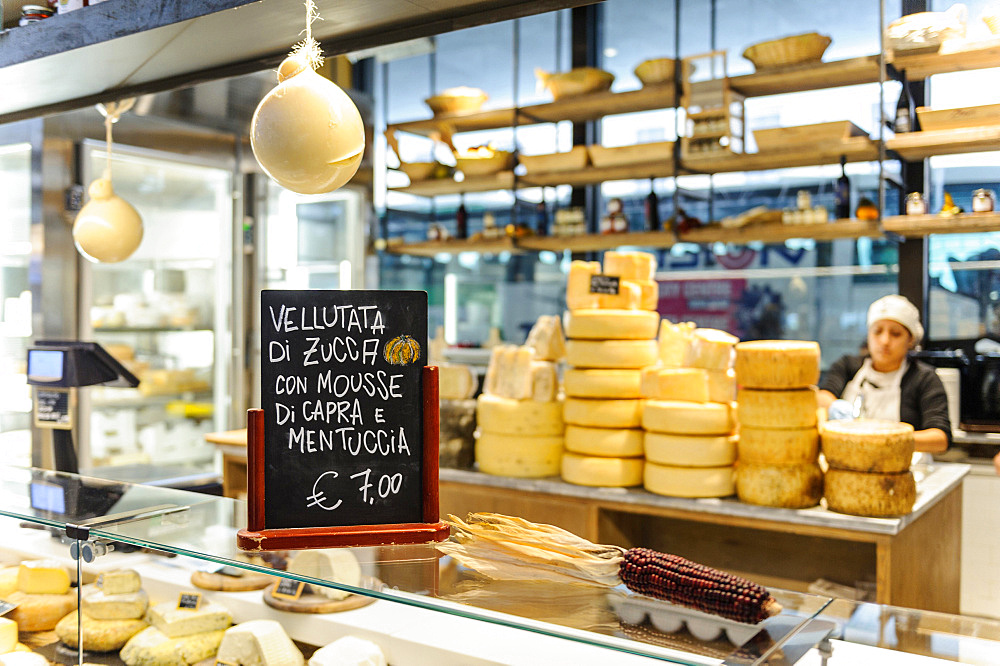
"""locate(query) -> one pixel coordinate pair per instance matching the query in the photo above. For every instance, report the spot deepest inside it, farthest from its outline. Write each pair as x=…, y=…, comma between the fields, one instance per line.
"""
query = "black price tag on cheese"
x=189, y=600
x=288, y=589
x=604, y=284
x=6, y=607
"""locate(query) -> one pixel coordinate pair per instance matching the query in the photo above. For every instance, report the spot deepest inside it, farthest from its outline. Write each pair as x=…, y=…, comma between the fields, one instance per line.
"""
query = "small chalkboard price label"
x=604, y=284
x=288, y=589
x=189, y=600
x=52, y=408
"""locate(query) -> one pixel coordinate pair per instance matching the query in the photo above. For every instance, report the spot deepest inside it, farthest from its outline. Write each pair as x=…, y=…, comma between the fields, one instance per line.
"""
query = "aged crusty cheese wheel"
x=606, y=442
x=689, y=481
x=786, y=486
x=98, y=635
x=601, y=383
x=611, y=324
x=519, y=417
x=777, y=364
x=721, y=385
x=603, y=472
x=610, y=353
x=870, y=494
x=520, y=455
x=778, y=446
x=603, y=413
x=690, y=450
x=711, y=349
x=766, y=408
x=688, y=418
x=40, y=612
x=868, y=445
x=689, y=384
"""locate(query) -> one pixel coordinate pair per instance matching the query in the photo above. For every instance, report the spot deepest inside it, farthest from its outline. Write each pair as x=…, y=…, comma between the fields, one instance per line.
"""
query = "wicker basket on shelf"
x=457, y=101
x=795, y=50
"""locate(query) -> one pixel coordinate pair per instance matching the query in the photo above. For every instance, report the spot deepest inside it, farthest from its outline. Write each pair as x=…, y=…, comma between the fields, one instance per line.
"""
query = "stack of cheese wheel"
x=869, y=467
x=779, y=442
x=112, y=612
x=178, y=635
x=519, y=413
x=688, y=414
x=611, y=337
x=43, y=595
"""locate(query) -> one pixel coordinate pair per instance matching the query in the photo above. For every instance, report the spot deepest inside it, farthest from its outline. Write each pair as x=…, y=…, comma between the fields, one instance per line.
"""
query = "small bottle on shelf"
x=842, y=208
x=461, y=222
x=652, y=211
x=541, y=219
x=903, y=121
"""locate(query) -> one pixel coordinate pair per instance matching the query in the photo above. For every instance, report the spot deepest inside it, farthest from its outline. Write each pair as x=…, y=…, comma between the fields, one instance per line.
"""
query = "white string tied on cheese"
x=112, y=112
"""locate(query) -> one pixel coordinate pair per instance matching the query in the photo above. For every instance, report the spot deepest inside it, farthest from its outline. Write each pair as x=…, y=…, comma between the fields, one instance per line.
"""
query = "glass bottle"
x=842, y=208
x=461, y=222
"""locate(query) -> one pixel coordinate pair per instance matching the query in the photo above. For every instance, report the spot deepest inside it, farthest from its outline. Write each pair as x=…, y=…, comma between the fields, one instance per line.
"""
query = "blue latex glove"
x=840, y=410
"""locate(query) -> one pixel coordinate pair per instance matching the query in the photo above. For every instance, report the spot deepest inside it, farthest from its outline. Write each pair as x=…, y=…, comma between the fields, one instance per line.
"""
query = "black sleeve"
x=933, y=403
x=836, y=378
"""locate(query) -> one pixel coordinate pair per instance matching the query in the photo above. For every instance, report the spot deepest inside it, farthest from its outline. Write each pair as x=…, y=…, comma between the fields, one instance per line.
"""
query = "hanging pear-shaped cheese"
x=307, y=134
x=107, y=229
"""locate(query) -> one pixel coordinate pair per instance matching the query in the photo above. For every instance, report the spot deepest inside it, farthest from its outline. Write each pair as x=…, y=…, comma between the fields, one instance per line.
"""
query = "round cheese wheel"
x=711, y=349
x=603, y=472
x=518, y=417
x=40, y=612
x=786, y=486
x=777, y=364
x=778, y=446
x=99, y=635
x=689, y=384
x=584, y=383
x=688, y=418
x=869, y=493
x=611, y=324
x=721, y=385
x=868, y=445
x=23, y=656
x=792, y=408
x=600, y=413
x=689, y=481
x=610, y=353
x=607, y=442
x=520, y=456
x=690, y=450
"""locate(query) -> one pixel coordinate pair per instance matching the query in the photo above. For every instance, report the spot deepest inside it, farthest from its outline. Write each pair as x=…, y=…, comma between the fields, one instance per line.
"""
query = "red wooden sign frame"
x=256, y=538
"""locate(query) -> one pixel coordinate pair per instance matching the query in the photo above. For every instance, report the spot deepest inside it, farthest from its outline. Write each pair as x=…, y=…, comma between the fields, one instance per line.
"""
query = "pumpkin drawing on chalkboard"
x=402, y=350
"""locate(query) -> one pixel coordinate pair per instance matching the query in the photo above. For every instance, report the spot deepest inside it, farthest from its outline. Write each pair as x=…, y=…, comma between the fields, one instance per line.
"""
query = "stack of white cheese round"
x=688, y=414
x=777, y=410
x=611, y=337
x=113, y=611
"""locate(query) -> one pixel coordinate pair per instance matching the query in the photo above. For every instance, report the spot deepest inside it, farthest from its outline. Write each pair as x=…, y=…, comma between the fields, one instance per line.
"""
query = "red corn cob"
x=681, y=581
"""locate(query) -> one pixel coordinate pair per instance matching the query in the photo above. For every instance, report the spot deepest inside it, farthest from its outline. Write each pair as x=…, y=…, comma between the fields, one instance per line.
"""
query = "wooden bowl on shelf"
x=790, y=138
x=601, y=156
x=987, y=115
x=658, y=70
x=795, y=50
x=577, y=81
x=418, y=170
x=458, y=100
x=572, y=160
x=483, y=163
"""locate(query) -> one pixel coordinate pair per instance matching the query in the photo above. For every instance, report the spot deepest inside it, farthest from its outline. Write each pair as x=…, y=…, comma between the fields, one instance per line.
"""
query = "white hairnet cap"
x=898, y=309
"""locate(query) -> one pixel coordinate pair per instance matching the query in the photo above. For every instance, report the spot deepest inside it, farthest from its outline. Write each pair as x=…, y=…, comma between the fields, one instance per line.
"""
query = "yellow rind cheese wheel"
x=689, y=481
x=603, y=413
x=610, y=353
x=870, y=494
x=606, y=442
x=690, y=450
x=519, y=417
x=99, y=635
x=40, y=612
x=689, y=384
x=778, y=446
x=611, y=324
x=601, y=383
x=767, y=408
x=688, y=418
x=602, y=472
x=785, y=486
x=777, y=364
x=520, y=456
x=868, y=445
x=711, y=349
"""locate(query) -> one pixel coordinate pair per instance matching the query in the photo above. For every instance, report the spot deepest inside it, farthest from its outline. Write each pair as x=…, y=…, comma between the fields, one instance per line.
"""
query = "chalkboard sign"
x=341, y=392
x=189, y=600
x=604, y=284
x=52, y=409
x=288, y=589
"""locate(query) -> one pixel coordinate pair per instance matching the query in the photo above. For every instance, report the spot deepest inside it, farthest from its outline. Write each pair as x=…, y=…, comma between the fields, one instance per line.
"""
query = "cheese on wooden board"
x=601, y=383
x=777, y=364
x=102, y=606
x=689, y=384
x=40, y=612
x=99, y=635
x=456, y=381
x=175, y=622
x=519, y=417
x=544, y=381
x=690, y=450
x=43, y=577
x=688, y=481
x=868, y=445
x=785, y=486
x=151, y=647
x=767, y=408
x=778, y=446
x=610, y=353
x=870, y=494
x=259, y=643
x=333, y=564
x=348, y=651
x=600, y=471
x=23, y=659
x=578, y=296
x=688, y=418
x=8, y=581
x=630, y=265
x=674, y=343
x=611, y=324
x=8, y=635
x=606, y=442
x=122, y=581
x=603, y=413
x=721, y=385
x=546, y=338
x=711, y=349
x=521, y=456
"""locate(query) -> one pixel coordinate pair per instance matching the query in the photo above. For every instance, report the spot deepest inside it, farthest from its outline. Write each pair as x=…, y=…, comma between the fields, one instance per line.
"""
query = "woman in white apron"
x=887, y=384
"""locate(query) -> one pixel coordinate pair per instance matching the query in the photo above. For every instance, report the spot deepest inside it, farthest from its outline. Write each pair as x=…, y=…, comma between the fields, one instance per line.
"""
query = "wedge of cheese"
x=8, y=635
x=674, y=343
x=721, y=385
x=8, y=581
x=259, y=643
x=151, y=647
x=711, y=349
x=125, y=606
x=578, y=295
x=629, y=297
x=43, y=577
x=630, y=265
x=349, y=651
x=176, y=622
x=456, y=381
x=334, y=564
x=123, y=581
x=546, y=338
x=544, y=381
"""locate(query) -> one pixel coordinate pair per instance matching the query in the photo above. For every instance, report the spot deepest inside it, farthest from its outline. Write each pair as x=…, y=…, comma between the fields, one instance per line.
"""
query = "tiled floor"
x=981, y=543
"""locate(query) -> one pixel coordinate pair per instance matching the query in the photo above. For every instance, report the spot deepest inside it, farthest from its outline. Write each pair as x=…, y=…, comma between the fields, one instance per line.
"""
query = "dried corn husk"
x=508, y=548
